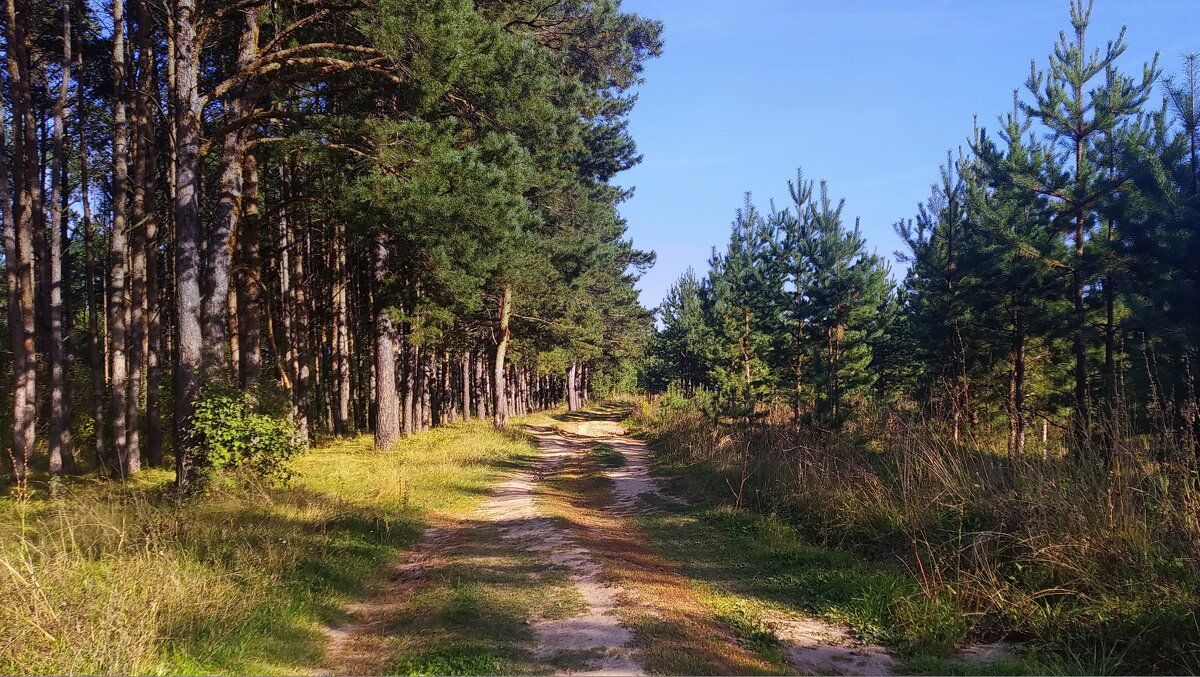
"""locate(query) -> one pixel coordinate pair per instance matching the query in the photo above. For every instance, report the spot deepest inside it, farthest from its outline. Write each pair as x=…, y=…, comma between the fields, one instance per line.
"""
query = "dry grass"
x=123, y=579
x=1097, y=567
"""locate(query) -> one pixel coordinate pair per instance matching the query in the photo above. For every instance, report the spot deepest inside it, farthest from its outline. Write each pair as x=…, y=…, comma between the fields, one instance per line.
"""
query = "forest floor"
x=577, y=561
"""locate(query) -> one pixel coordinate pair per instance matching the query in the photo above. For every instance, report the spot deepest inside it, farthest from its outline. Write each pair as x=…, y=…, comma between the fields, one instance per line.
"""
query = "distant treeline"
x=1053, y=278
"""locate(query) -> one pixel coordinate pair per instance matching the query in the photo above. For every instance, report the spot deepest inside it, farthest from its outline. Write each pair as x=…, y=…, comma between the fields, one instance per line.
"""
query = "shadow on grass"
x=470, y=612
x=241, y=581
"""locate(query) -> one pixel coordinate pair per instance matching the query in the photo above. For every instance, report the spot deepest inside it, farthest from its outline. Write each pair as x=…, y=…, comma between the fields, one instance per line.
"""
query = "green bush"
x=233, y=435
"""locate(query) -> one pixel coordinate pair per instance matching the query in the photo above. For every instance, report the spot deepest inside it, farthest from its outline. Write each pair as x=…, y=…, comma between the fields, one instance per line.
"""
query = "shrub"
x=235, y=436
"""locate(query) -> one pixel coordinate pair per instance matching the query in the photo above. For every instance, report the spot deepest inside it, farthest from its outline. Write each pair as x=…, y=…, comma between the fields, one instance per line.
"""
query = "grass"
x=924, y=544
x=474, y=617
x=607, y=456
x=760, y=564
x=120, y=578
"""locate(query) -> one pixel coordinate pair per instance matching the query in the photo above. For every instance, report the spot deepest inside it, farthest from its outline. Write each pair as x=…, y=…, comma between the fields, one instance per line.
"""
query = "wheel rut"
x=595, y=638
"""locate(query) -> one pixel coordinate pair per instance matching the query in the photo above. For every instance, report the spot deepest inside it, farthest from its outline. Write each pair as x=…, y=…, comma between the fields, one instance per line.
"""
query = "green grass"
x=767, y=565
x=474, y=617
x=749, y=567
x=607, y=456
x=122, y=579
x=936, y=544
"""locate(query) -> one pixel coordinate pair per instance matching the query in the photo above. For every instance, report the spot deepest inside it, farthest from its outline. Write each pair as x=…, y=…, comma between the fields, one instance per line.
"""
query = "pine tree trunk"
x=1081, y=424
x=119, y=245
x=450, y=402
x=143, y=213
x=499, y=403
x=217, y=253
x=480, y=386
x=465, y=367
x=187, y=242
x=387, y=405
x=18, y=242
x=341, y=421
x=95, y=362
x=61, y=455
x=572, y=387
x=249, y=282
x=586, y=392
x=1016, y=389
x=410, y=386
x=425, y=378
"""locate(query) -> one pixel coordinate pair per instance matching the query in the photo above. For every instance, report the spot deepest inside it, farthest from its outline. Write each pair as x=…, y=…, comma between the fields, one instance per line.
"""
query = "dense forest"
x=1050, y=279
x=233, y=227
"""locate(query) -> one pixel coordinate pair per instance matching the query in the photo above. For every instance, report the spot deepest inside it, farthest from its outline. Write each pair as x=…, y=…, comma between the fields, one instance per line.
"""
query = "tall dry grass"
x=1096, y=562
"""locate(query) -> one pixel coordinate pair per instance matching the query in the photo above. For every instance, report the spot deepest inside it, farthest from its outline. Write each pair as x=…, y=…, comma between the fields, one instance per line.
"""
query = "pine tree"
x=1078, y=119
x=937, y=243
x=1014, y=261
x=737, y=301
x=791, y=259
x=847, y=288
x=683, y=342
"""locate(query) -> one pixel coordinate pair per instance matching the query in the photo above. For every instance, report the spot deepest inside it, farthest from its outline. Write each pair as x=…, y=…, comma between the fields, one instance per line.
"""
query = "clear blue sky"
x=868, y=94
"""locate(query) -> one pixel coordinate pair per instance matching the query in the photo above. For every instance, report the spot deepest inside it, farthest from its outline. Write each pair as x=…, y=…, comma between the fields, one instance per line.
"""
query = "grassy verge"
x=121, y=579
x=927, y=546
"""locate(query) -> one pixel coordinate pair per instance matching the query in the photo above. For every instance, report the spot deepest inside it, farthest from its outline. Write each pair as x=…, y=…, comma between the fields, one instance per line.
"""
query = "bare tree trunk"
x=144, y=215
x=249, y=283
x=446, y=395
x=219, y=244
x=387, y=410
x=18, y=243
x=466, y=386
x=217, y=253
x=341, y=421
x=480, y=386
x=573, y=387
x=499, y=396
x=426, y=381
x=154, y=351
x=119, y=244
x=187, y=242
x=95, y=361
x=1016, y=390
x=433, y=386
x=61, y=458
x=410, y=387
x=300, y=325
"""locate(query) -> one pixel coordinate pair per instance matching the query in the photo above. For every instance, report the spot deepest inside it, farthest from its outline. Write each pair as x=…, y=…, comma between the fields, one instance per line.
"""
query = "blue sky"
x=867, y=94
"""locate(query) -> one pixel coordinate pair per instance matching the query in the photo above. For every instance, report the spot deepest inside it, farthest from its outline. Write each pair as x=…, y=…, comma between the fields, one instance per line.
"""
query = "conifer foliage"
x=347, y=217
x=1050, y=288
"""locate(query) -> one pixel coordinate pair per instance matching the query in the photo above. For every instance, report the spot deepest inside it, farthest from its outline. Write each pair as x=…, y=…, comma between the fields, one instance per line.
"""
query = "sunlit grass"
x=1083, y=568
x=122, y=579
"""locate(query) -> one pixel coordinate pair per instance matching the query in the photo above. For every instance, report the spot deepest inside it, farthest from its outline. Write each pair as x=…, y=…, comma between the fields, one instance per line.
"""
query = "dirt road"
x=564, y=530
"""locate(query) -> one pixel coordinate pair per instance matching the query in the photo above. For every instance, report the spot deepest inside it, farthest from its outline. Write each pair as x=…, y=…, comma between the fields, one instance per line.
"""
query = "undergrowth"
x=122, y=578
x=1092, y=570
